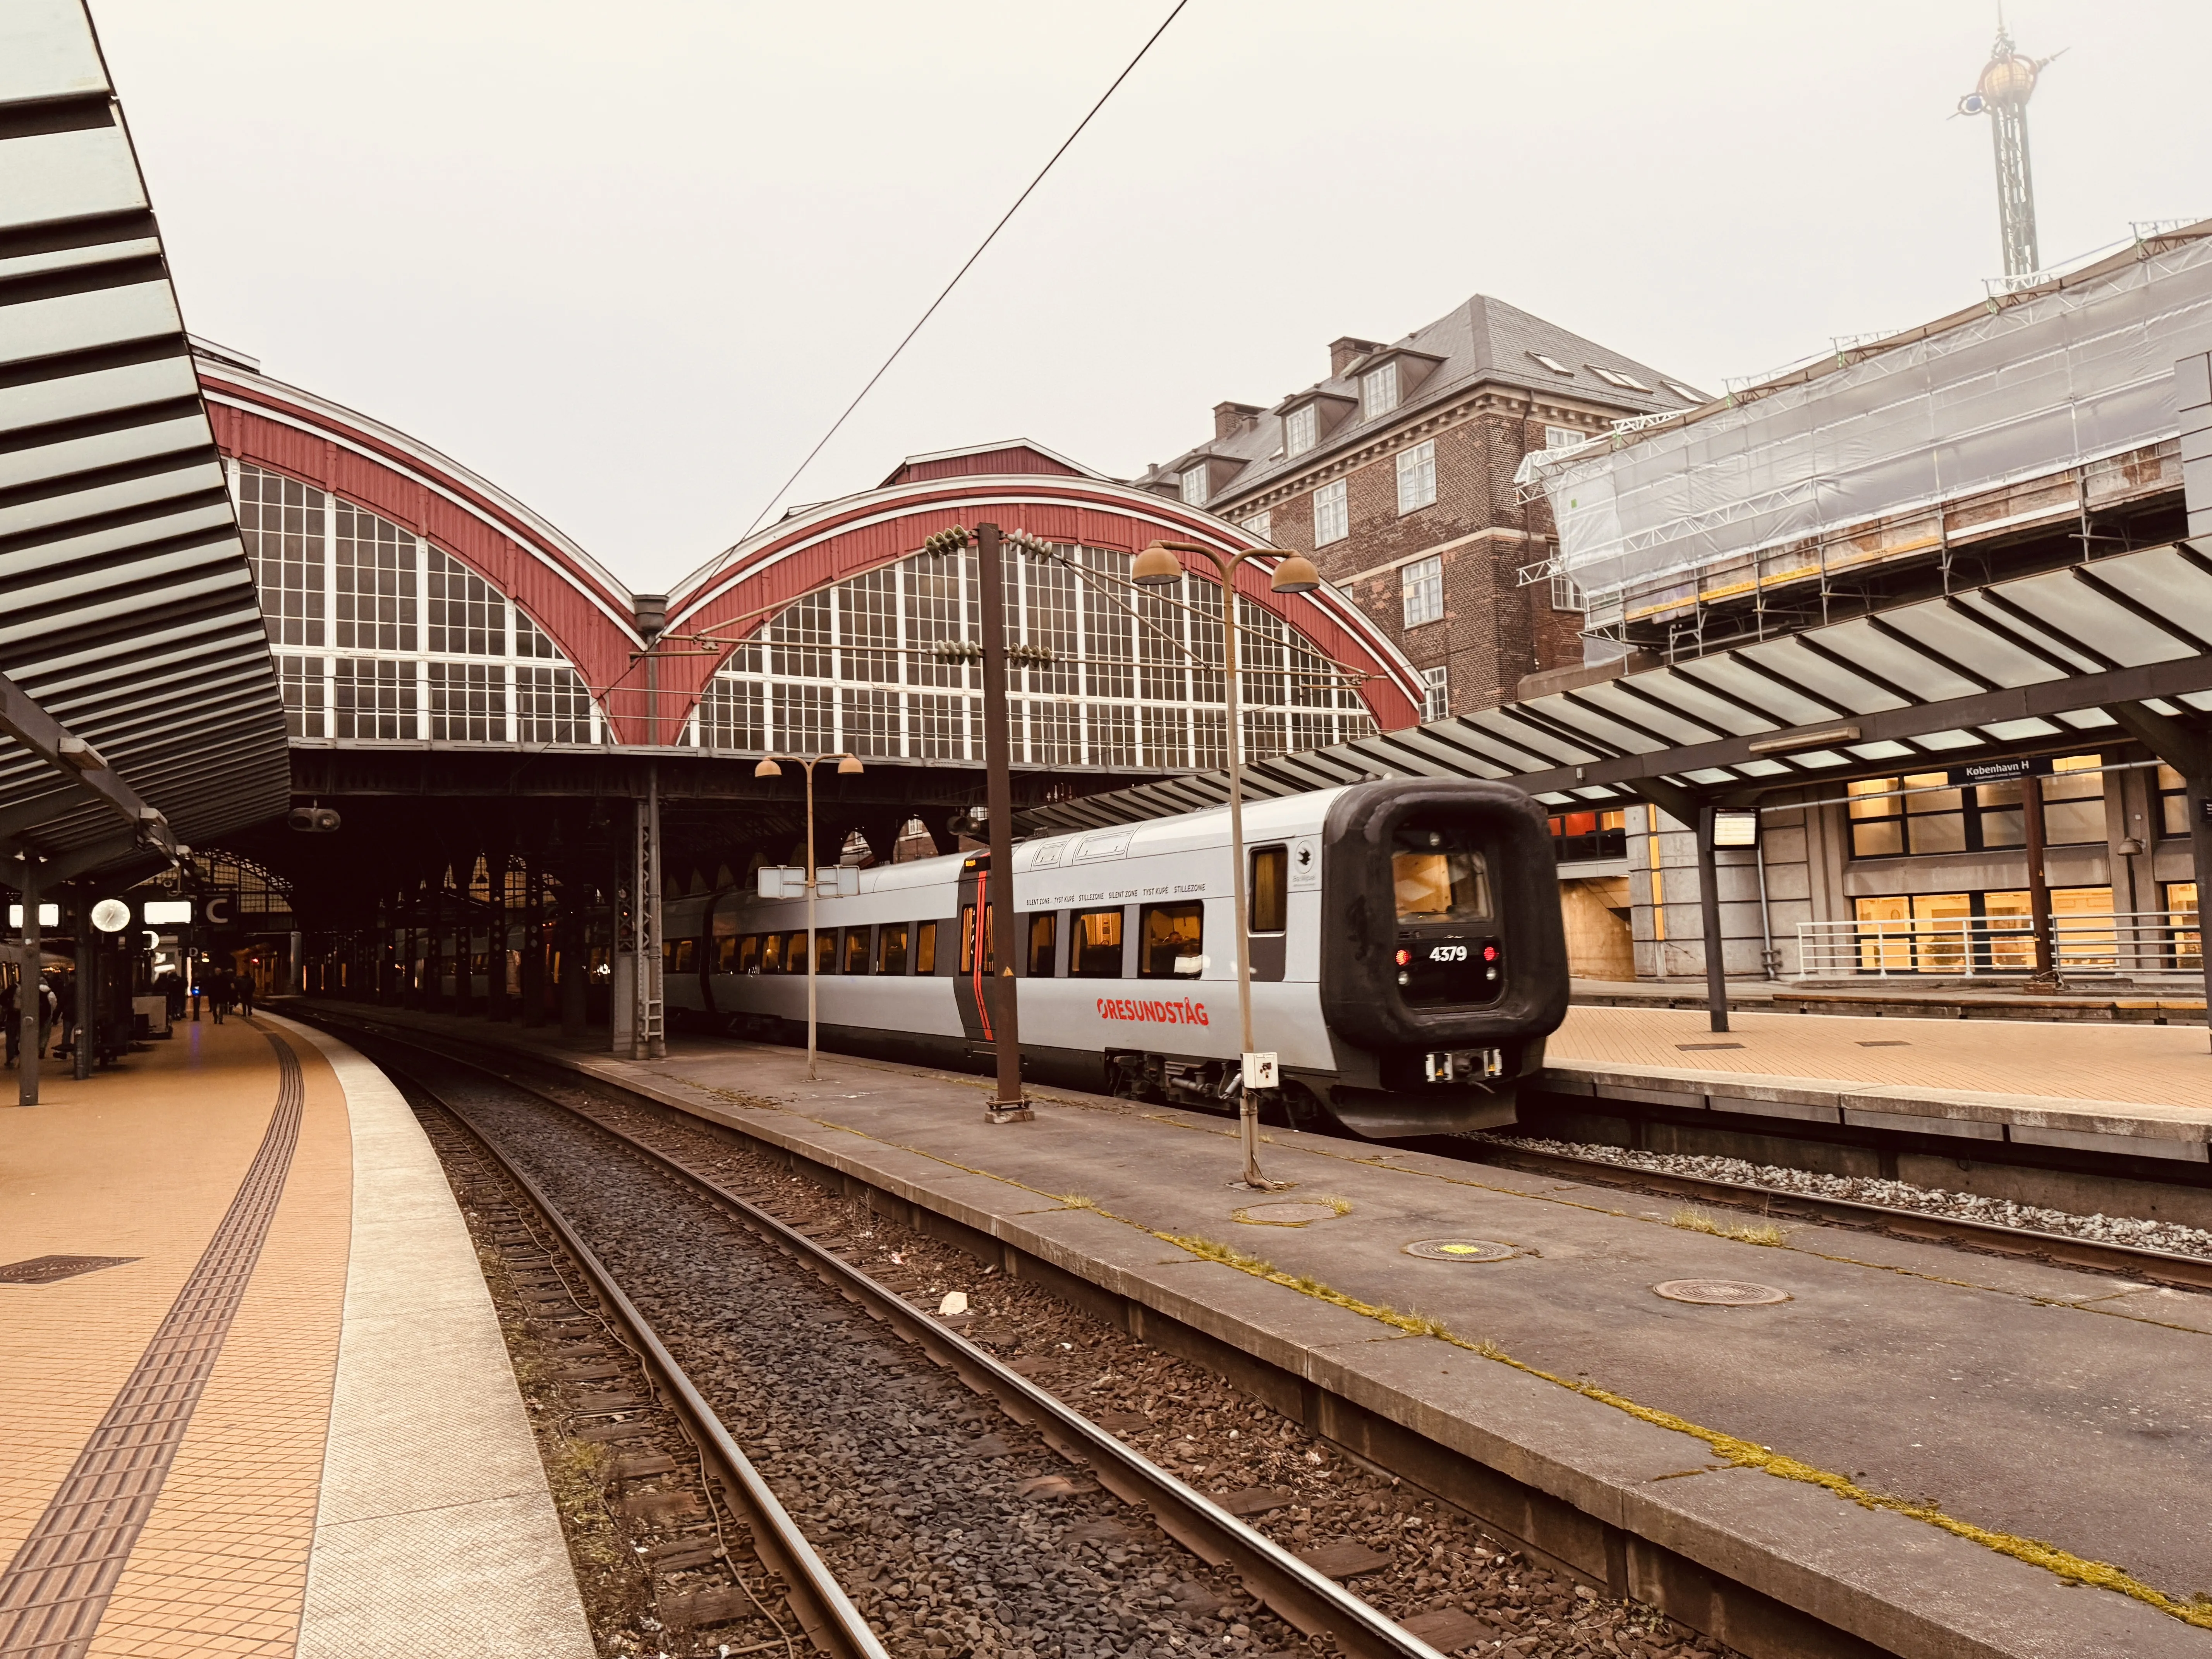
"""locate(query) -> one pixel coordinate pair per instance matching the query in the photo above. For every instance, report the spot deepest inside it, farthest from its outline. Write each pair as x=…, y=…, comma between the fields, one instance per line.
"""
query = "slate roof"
x=1485, y=340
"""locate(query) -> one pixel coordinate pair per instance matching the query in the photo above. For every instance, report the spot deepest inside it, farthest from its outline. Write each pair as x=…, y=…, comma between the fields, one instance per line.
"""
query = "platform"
x=1977, y=1404
x=2139, y=1090
x=277, y=1349
x=1911, y=997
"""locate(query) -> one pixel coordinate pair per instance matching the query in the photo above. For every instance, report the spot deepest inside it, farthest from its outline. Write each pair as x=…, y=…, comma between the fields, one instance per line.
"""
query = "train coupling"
x=1464, y=1065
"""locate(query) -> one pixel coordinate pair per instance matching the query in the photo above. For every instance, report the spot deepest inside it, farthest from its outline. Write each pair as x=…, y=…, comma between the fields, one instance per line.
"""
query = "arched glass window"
x=379, y=635
x=1135, y=681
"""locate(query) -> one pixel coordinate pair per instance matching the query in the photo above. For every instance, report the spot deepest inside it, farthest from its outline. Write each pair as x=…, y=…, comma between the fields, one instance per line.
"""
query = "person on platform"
x=216, y=981
x=50, y=1008
x=246, y=989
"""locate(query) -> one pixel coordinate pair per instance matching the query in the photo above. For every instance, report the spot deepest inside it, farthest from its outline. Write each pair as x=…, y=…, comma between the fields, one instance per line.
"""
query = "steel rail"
x=2137, y=1261
x=830, y=1620
x=1308, y=1600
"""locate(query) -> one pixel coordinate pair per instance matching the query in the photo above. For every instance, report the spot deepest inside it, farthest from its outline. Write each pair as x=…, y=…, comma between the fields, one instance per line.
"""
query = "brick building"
x=1395, y=473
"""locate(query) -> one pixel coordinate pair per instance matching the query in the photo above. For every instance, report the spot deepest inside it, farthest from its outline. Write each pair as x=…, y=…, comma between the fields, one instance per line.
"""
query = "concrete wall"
x=1666, y=920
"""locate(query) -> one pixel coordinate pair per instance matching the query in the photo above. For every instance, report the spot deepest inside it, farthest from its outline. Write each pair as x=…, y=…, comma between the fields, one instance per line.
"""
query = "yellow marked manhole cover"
x=1462, y=1249
x=1720, y=1292
x=1289, y=1213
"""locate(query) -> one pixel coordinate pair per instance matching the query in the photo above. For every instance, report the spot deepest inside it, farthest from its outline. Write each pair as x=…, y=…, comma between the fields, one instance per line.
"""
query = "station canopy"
x=1981, y=671
x=135, y=672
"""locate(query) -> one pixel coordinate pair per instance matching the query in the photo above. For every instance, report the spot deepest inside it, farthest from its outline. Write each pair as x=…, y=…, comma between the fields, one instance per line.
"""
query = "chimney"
x=1230, y=419
x=1342, y=353
x=651, y=612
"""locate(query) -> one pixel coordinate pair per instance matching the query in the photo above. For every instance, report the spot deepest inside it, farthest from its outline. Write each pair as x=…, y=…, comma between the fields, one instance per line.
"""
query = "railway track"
x=862, y=1409
x=2129, y=1261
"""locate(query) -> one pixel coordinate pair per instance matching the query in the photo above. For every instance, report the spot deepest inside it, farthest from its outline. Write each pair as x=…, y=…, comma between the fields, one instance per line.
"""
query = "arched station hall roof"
x=594, y=619
x=1019, y=486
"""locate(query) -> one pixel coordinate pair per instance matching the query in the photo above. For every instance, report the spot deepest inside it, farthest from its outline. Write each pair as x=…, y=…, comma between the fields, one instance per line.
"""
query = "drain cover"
x=1288, y=1213
x=1460, y=1249
x=1720, y=1292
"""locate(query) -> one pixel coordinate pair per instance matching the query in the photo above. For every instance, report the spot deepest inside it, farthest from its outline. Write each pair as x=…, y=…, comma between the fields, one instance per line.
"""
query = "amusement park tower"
x=2007, y=83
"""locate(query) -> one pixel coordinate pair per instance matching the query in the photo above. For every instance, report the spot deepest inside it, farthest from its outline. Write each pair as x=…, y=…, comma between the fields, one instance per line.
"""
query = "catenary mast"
x=2007, y=83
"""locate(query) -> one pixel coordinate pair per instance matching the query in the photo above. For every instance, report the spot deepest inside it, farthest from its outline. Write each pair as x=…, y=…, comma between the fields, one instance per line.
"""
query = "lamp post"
x=1156, y=566
x=848, y=766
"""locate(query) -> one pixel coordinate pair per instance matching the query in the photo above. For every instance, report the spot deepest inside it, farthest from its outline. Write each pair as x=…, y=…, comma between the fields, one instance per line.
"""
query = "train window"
x=725, y=953
x=925, y=947
x=794, y=953
x=856, y=950
x=1172, y=941
x=771, y=957
x=1094, y=951
x=968, y=940
x=680, y=955
x=749, y=954
x=825, y=951
x=1043, y=931
x=1269, y=895
x=1437, y=883
x=890, y=948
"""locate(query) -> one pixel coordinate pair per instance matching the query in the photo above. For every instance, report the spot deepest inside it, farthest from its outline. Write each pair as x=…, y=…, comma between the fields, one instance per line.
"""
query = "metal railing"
x=2118, y=944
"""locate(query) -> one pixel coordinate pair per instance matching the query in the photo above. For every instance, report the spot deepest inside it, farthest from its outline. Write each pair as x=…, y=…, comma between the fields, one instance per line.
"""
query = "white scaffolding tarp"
x=2048, y=382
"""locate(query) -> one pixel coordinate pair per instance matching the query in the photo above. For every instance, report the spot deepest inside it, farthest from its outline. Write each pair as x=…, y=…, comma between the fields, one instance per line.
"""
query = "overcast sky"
x=629, y=261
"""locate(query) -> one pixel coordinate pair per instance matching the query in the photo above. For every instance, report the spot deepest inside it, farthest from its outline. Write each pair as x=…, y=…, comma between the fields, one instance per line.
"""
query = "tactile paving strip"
x=55, y=1591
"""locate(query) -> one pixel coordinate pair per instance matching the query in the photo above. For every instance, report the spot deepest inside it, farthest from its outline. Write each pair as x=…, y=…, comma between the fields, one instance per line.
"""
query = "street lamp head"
x=1294, y=575
x=1156, y=566
x=768, y=768
x=849, y=767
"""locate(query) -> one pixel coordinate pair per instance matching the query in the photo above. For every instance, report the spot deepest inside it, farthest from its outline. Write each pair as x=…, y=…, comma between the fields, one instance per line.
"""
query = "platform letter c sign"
x=220, y=911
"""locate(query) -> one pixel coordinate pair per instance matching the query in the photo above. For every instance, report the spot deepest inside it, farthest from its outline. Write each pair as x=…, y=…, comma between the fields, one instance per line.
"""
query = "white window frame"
x=1301, y=430
x=1332, y=513
x=1567, y=594
x=1417, y=476
x=1566, y=437
x=1435, y=692
x=1378, y=391
x=1421, y=591
x=1193, y=485
x=1261, y=525
x=1549, y=361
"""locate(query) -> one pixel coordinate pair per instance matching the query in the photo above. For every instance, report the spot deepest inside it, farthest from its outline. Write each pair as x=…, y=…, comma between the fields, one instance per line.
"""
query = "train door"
x=977, y=964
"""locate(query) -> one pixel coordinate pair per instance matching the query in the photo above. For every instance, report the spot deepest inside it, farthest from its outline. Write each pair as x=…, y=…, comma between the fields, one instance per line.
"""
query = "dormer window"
x=1194, y=485
x=1378, y=391
x=1615, y=377
x=1687, y=394
x=1301, y=429
x=1552, y=363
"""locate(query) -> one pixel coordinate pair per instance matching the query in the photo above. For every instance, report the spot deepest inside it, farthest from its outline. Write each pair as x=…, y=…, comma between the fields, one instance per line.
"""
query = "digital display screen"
x=165, y=913
x=1735, y=830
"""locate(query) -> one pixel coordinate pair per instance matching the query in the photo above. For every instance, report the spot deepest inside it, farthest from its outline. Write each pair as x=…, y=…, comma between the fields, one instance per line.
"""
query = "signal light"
x=1490, y=953
x=1404, y=956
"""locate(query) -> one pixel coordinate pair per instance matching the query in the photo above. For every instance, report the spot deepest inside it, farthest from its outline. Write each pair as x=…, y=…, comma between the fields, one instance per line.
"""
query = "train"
x=1407, y=957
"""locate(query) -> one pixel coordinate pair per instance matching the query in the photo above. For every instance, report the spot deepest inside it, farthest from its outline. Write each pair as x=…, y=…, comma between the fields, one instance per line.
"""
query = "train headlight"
x=1404, y=979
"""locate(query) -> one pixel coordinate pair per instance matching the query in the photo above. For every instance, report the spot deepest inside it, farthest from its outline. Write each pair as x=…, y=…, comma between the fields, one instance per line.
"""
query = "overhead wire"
x=797, y=472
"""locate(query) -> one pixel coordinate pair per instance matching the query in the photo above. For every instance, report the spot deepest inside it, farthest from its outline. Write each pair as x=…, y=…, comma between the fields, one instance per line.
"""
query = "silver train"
x=1407, y=957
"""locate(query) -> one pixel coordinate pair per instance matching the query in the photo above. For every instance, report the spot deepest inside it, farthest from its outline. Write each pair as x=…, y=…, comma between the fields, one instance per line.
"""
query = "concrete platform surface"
x=279, y=1419
x=2144, y=1090
x=1994, y=1426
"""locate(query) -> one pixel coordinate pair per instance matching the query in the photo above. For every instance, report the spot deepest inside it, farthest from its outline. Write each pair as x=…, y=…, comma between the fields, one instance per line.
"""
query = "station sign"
x=1999, y=771
x=166, y=913
x=1732, y=828
x=219, y=910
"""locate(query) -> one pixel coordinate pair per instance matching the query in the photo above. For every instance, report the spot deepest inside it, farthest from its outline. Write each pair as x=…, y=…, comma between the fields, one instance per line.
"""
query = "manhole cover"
x=1460, y=1249
x=1289, y=1213
x=1720, y=1292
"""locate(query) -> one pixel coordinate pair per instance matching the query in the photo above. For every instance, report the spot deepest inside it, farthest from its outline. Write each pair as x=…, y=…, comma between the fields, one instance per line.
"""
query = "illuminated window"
x=1922, y=814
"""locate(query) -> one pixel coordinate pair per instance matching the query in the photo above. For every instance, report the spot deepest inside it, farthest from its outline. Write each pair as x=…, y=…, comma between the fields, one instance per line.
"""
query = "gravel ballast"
x=1871, y=1189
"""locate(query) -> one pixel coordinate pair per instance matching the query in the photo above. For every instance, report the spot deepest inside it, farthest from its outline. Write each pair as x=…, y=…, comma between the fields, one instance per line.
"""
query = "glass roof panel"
x=1668, y=724
x=1554, y=797
x=2161, y=579
x=1604, y=731
x=2197, y=699
x=1710, y=775
x=2013, y=730
x=1980, y=606
x=1963, y=641
x=2084, y=719
x=1762, y=769
x=1885, y=750
x=2076, y=609
x=1896, y=662
x=1517, y=744
x=1952, y=739
x=1671, y=687
x=2159, y=706
x=1790, y=708
x=1596, y=792
x=1822, y=757
x=1788, y=659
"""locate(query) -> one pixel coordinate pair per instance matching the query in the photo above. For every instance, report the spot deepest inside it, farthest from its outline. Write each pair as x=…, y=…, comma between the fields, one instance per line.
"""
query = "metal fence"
x=2120, y=944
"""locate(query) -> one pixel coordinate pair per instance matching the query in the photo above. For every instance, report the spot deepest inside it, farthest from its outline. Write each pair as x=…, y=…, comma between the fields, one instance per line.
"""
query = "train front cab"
x=1443, y=962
